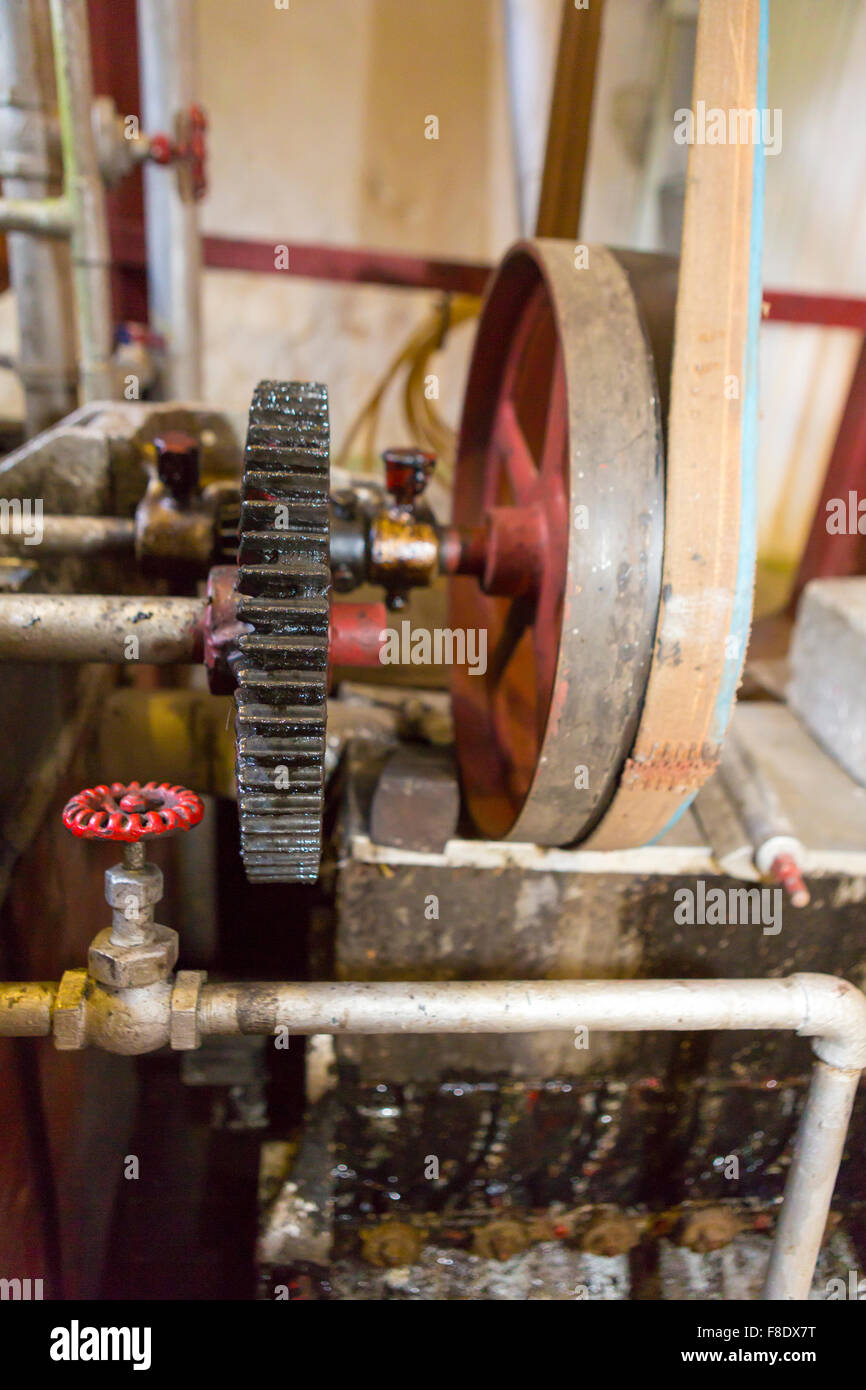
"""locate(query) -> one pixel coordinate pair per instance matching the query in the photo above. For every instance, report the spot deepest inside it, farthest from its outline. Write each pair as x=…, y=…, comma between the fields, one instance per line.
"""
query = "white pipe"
x=531, y=34
x=811, y=1179
x=819, y=1006
x=30, y=167
x=84, y=192
x=166, y=40
x=100, y=627
x=45, y=217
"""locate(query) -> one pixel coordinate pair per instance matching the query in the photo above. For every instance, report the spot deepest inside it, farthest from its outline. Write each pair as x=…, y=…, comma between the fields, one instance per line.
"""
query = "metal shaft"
x=72, y=535
x=83, y=627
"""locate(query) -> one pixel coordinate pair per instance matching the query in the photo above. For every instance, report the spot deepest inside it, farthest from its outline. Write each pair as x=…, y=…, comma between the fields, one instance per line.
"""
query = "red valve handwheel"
x=132, y=811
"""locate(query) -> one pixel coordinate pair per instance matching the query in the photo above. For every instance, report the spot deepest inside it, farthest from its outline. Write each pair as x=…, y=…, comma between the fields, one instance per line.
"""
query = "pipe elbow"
x=835, y=1018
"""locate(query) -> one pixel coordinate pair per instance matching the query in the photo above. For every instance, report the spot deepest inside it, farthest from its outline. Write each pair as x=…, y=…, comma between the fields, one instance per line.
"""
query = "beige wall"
x=318, y=134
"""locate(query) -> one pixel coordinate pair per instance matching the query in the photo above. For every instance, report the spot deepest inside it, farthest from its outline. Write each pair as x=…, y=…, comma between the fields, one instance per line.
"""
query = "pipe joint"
x=835, y=1017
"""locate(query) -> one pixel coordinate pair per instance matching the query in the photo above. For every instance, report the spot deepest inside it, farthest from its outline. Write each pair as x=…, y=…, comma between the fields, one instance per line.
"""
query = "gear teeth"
x=284, y=582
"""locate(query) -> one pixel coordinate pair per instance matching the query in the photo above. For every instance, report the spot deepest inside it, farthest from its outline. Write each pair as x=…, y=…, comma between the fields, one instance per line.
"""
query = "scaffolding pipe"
x=30, y=167
x=166, y=42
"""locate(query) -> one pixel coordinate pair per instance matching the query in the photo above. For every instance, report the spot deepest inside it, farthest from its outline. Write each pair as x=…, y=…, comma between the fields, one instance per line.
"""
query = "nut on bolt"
x=124, y=966
x=132, y=894
x=500, y=1239
x=392, y=1244
x=610, y=1234
x=708, y=1228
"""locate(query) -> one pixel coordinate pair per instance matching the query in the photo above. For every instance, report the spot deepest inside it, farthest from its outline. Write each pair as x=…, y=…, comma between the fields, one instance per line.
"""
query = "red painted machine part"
x=520, y=489
x=355, y=634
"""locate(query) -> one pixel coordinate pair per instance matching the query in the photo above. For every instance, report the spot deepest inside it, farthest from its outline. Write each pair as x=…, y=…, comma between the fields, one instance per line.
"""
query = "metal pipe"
x=166, y=41
x=42, y=216
x=85, y=627
x=777, y=851
x=85, y=194
x=811, y=1179
x=829, y=1010
x=30, y=167
x=73, y=535
x=819, y=1006
x=26, y=1009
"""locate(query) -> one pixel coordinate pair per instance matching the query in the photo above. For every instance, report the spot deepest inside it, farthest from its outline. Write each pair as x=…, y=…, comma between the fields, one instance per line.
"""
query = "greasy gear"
x=281, y=665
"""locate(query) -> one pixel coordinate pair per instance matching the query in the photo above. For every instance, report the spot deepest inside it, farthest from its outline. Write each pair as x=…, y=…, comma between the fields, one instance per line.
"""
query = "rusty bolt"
x=610, y=1234
x=708, y=1229
x=392, y=1244
x=500, y=1239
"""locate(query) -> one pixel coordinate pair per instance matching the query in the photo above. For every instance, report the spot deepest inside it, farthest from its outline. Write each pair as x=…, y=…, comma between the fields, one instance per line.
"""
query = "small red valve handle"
x=165, y=150
x=407, y=473
x=132, y=811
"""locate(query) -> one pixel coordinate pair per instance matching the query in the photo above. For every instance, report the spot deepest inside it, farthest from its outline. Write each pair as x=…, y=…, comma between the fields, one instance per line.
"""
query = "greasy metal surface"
x=75, y=535
x=403, y=551
x=562, y=416
x=559, y=1271
x=281, y=667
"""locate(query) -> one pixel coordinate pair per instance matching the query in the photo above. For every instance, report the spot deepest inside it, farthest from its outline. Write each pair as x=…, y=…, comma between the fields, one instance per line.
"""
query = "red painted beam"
x=114, y=54
x=832, y=555
x=339, y=263
x=361, y=266
x=821, y=310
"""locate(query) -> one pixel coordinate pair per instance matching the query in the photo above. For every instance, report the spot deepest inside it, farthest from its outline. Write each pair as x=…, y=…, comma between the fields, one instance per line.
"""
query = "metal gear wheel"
x=281, y=665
